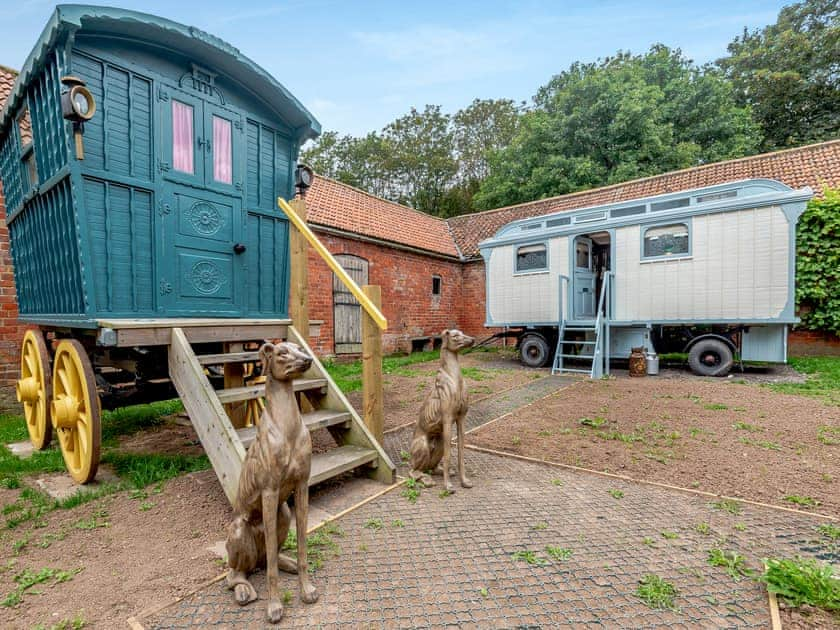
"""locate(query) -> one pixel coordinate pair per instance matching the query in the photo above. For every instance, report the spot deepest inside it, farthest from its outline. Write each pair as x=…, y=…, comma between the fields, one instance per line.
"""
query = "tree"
x=621, y=118
x=789, y=72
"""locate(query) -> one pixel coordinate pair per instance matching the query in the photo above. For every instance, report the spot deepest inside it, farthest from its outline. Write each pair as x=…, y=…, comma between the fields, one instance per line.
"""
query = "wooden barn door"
x=346, y=309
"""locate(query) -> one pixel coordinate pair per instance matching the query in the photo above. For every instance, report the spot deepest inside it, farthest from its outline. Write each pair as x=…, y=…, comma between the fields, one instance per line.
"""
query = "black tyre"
x=534, y=351
x=710, y=357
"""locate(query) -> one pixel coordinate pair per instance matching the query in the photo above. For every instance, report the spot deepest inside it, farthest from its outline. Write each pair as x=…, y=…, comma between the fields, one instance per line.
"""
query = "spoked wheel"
x=255, y=405
x=75, y=410
x=34, y=388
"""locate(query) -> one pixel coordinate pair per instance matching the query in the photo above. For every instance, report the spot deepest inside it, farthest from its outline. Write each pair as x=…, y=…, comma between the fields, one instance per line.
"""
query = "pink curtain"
x=182, y=137
x=222, y=151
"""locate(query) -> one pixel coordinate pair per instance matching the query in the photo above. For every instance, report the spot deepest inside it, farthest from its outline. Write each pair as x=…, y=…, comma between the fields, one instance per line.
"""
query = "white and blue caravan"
x=708, y=271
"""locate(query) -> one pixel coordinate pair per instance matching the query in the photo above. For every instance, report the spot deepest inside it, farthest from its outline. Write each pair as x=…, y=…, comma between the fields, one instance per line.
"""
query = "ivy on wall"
x=818, y=264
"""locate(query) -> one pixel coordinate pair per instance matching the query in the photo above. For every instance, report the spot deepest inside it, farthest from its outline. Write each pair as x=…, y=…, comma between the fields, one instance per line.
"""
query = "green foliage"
x=804, y=501
x=626, y=116
x=732, y=562
x=558, y=553
x=657, y=592
x=412, y=490
x=787, y=73
x=348, y=376
x=142, y=470
x=530, y=557
x=803, y=581
x=727, y=505
x=818, y=262
x=823, y=379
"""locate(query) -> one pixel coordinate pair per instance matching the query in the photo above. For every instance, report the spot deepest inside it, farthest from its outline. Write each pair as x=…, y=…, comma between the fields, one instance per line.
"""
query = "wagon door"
x=201, y=268
x=346, y=308
x=584, y=279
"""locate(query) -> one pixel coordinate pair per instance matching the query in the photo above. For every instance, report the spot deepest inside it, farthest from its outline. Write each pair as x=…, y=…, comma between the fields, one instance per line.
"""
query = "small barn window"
x=435, y=285
x=182, y=137
x=531, y=258
x=665, y=240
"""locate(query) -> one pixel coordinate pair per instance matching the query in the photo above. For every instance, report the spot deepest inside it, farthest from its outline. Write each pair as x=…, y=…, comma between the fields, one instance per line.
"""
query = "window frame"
x=660, y=224
x=523, y=272
x=439, y=285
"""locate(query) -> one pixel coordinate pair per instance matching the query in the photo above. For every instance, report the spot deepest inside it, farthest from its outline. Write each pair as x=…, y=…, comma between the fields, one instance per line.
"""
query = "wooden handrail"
x=334, y=265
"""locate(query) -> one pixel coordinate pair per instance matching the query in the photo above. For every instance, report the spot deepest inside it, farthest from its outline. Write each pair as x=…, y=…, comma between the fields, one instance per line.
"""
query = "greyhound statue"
x=446, y=404
x=276, y=465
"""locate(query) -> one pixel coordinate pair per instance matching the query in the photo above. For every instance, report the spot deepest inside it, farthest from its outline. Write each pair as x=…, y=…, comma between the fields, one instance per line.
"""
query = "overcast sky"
x=357, y=65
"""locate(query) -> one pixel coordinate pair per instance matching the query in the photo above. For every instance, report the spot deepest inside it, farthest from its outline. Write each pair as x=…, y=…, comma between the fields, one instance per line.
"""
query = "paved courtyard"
x=463, y=560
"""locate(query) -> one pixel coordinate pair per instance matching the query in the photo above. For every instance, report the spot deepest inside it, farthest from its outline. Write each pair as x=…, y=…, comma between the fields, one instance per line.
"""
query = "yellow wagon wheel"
x=75, y=410
x=255, y=406
x=34, y=389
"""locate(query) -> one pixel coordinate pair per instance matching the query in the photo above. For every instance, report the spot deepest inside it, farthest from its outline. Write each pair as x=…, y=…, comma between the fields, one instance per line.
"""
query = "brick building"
x=430, y=270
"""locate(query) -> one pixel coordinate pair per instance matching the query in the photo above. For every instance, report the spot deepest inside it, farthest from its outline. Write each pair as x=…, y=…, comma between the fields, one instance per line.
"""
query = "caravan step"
x=249, y=392
x=577, y=356
x=313, y=420
x=565, y=369
x=339, y=460
x=580, y=328
x=228, y=357
x=582, y=343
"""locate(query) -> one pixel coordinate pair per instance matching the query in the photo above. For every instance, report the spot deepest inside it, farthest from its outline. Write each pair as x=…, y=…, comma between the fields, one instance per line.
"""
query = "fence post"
x=299, y=302
x=372, y=366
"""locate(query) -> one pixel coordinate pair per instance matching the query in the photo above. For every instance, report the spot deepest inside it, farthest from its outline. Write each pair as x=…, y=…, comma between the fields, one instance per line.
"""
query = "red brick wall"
x=812, y=343
x=407, y=301
x=11, y=331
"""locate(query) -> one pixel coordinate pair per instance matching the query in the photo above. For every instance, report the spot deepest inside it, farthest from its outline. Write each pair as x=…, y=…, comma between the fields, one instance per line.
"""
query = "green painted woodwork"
x=122, y=233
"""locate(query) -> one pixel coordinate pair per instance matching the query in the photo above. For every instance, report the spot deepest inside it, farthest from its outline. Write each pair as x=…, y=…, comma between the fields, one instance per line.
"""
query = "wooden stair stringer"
x=357, y=434
x=208, y=416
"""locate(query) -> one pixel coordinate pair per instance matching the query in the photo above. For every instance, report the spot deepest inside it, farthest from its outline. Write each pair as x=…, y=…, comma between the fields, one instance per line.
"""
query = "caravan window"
x=665, y=240
x=531, y=258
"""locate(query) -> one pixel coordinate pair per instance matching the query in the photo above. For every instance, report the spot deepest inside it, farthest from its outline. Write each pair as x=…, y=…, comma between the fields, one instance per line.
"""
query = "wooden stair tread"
x=228, y=357
x=339, y=460
x=249, y=392
x=313, y=420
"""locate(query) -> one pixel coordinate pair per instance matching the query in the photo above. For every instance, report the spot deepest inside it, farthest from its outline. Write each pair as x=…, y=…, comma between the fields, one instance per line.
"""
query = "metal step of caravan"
x=582, y=343
x=577, y=356
x=318, y=419
x=249, y=392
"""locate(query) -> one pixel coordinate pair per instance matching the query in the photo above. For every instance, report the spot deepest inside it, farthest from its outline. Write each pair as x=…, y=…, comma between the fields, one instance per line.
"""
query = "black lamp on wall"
x=304, y=176
x=77, y=106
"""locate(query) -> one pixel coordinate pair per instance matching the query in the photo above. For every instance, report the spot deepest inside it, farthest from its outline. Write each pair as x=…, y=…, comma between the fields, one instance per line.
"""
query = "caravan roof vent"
x=592, y=216
x=726, y=194
x=626, y=212
x=555, y=222
x=531, y=226
x=682, y=202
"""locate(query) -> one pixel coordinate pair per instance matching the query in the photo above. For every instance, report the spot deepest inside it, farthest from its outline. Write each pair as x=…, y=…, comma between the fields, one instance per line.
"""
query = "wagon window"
x=531, y=258
x=666, y=240
x=222, y=151
x=182, y=137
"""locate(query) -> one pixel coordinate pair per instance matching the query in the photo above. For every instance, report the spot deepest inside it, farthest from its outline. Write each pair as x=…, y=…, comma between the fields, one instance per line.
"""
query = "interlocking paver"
x=433, y=571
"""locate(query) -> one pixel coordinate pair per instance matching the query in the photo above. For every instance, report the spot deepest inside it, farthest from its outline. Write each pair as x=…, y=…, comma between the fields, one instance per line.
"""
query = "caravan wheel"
x=710, y=357
x=534, y=351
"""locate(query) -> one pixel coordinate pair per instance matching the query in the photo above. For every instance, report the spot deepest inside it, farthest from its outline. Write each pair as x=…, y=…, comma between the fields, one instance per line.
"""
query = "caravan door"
x=583, y=284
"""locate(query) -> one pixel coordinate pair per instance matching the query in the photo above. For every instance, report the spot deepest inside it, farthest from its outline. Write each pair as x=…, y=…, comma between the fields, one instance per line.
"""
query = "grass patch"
x=765, y=444
x=477, y=374
x=320, y=544
x=141, y=470
x=593, y=422
x=801, y=581
x=746, y=426
x=830, y=531
x=28, y=578
x=823, y=379
x=373, y=523
x=530, y=557
x=732, y=562
x=727, y=505
x=830, y=436
x=715, y=406
x=703, y=528
x=797, y=499
x=558, y=553
x=657, y=592
x=348, y=376
x=616, y=494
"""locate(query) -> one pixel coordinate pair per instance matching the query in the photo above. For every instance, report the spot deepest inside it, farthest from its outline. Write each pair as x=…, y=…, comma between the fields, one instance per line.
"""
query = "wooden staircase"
x=323, y=405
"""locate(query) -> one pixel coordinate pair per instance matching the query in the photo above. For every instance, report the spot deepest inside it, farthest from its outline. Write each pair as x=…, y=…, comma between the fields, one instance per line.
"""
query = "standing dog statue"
x=276, y=465
x=444, y=406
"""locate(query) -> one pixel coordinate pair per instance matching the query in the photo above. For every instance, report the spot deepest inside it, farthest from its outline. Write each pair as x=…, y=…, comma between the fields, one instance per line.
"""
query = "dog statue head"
x=454, y=340
x=284, y=361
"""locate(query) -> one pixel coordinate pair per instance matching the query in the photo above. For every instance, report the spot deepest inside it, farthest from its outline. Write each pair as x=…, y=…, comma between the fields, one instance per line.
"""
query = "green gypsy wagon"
x=141, y=162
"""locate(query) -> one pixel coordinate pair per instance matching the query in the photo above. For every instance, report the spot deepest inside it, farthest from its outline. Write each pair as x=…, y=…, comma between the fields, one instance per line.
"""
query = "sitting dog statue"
x=446, y=404
x=276, y=465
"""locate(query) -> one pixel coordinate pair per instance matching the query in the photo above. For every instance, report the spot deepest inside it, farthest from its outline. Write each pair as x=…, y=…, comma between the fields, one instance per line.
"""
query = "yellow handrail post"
x=372, y=367
x=299, y=302
x=332, y=263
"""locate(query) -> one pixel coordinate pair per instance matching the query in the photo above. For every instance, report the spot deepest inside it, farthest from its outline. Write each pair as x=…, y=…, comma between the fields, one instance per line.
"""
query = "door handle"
x=239, y=248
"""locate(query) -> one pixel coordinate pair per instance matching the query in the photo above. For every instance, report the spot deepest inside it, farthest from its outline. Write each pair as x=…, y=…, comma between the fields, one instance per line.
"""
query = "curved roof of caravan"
x=722, y=197
x=203, y=47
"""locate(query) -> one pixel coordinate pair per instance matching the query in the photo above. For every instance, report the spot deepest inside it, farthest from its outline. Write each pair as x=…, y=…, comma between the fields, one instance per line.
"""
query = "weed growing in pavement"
x=727, y=505
x=397, y=522
x=412, y=490
x=616, y=494
x=318, y=544
x=703, y=528
x=530, y=557
x=595, y=422
x=558, y=553
x=732, y=562
x=804, y=501
x=516, y=440
x=746, y=426
x=544, y=433
x=405, y=456
x=444, y=493
x=287, y=597
x=657, y=592
x=373, y=523
x=741, y=527
x=803, y=581
x=767, y=444
x=830, y=531
x=484, y=592
x=647, y=540
x=556, y=482
x=669, y=535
